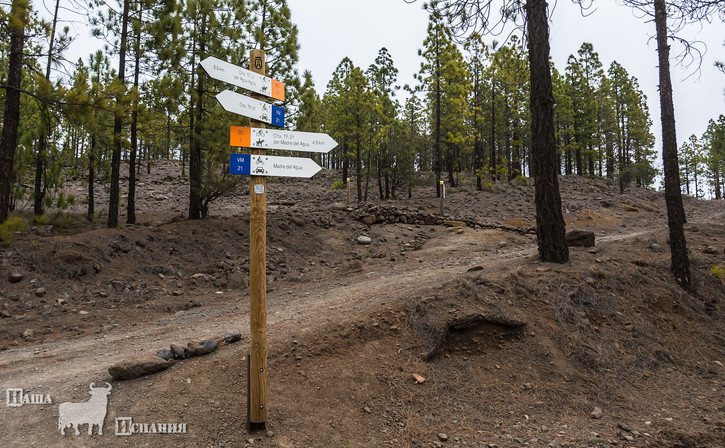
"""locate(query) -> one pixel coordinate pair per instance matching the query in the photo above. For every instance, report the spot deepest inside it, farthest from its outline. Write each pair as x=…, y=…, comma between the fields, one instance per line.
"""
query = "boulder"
x=580, y=238
x=15, y=277
x=179, y=351
x=364, y=240
x=233, y=336
x=138, y=366
x=368, y=220
x=207, y=346
x=165, y=354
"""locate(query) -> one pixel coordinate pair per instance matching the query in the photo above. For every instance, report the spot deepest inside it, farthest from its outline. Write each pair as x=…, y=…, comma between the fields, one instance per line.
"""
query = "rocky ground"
x=431, y=330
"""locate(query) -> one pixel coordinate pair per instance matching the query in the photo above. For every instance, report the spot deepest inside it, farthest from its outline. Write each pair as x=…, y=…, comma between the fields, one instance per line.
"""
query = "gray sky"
x=330, y=30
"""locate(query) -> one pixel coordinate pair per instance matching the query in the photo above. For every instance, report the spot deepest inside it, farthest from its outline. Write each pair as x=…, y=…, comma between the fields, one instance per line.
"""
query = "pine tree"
x=18, y=20
x=444, y=78
x=713, y=141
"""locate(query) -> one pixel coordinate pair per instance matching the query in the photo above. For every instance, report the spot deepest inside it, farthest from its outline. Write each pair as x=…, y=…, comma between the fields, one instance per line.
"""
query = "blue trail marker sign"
x=263, y=165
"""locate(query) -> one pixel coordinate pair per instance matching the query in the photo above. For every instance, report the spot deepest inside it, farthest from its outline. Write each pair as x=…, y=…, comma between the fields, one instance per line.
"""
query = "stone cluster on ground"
x=146, y=364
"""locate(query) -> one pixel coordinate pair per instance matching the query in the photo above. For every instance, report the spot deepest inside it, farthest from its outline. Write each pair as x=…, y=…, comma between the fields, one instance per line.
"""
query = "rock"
x=192, y=349
x=368, y=220
x=654, y=247
x=15, y=277
x=27, y=334
x=711, y=250
x=207, y=346
x=624, y=427
x=141, y=244
x=165, y=354
x=718, y=363
x=430, y=220
x=179, y=351
x=418, y=379
x=475, y=268
x=580, y=238
x=40, y=292
x=367, y=410
x=503, y=244
x=364, y=240
x=233, y=336
x=597, y=413
x=443, y=436
x=5, y=315
x=137, y=366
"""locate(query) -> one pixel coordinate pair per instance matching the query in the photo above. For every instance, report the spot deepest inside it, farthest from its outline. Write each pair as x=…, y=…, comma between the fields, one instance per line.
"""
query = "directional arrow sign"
x=246, y=137
x=259, y=165
x=240, y=77
x=249, y=107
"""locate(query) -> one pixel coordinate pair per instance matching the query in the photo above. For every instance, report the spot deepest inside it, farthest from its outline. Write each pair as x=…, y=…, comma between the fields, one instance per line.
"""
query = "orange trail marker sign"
x=246, y=137
x=240, y=77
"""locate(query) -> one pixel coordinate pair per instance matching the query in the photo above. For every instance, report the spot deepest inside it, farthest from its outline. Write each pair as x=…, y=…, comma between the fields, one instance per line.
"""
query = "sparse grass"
x=41, y=220
x=10, y=226
x=520, y=181
x=718, y=271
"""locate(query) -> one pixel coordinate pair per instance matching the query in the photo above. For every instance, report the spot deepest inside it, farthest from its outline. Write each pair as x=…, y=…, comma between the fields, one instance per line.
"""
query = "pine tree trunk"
x=131, y=203
x=195, y=205
x=44, y=127
x=11, y=118
x=114, y=197
x=91, y=176
x=550, y=227
x=680, y=263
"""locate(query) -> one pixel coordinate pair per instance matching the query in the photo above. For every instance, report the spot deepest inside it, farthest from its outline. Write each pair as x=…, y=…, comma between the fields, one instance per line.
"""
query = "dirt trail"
x=79, y=361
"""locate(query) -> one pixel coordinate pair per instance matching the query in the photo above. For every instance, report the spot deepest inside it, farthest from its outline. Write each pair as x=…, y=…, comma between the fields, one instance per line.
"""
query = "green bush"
x=339, y=185
x=10, y=226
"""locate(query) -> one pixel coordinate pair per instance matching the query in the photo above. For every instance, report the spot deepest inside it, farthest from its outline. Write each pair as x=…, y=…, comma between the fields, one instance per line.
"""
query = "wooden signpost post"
x=257, y=383
x=257, y=165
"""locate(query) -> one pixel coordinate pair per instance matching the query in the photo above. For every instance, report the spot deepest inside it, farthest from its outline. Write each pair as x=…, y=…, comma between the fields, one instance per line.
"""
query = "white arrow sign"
x=249, y=107
x=279, y=166
x=240, y=77
x=246, y=137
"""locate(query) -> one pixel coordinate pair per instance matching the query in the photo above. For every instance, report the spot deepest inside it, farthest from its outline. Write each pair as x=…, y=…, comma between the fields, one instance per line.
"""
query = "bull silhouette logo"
x=91, y=412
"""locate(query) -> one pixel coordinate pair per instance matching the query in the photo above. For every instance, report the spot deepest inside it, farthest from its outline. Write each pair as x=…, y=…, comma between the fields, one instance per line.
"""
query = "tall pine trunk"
x=91, y=175
x=195, y=205
x=11, y=119
x=40, y=157
x=131, y=203
x=550, y=227
x=114, y=197
x=680, y=263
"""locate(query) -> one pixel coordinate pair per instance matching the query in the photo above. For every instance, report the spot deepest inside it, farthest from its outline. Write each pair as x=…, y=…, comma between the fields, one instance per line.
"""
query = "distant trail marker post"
x=257, y=165
x=443, y=196
x=257, y=374
x=348, y=191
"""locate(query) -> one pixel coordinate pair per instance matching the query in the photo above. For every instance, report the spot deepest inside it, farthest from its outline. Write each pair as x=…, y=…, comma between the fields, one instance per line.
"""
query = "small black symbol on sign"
x=258, y=62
